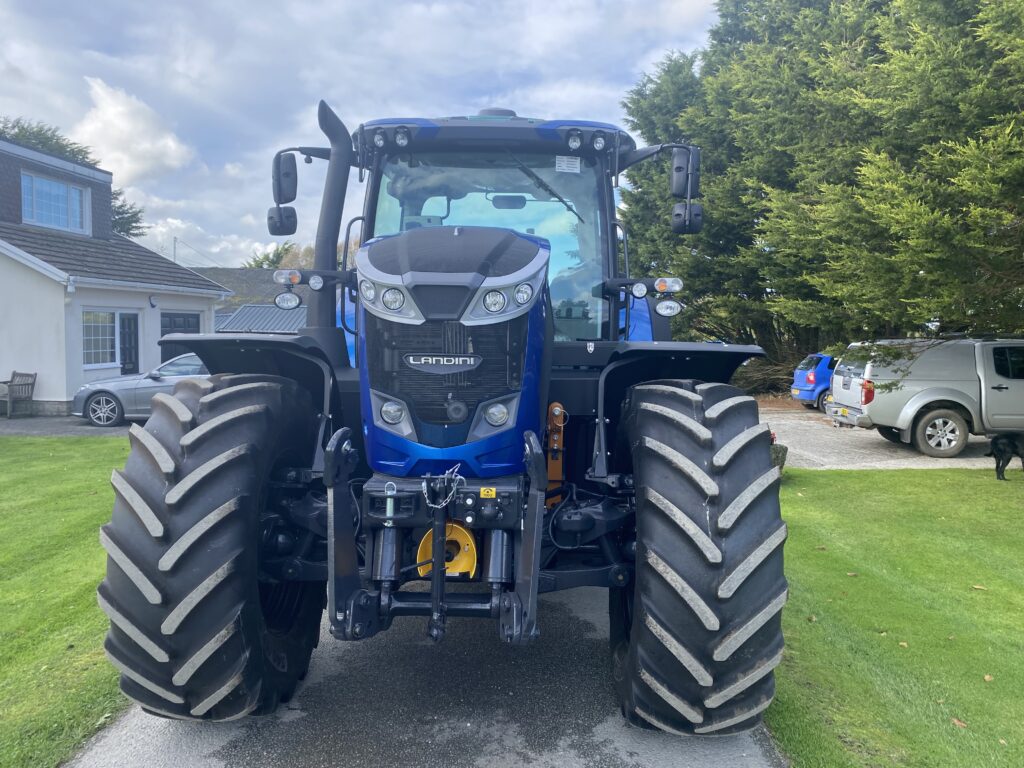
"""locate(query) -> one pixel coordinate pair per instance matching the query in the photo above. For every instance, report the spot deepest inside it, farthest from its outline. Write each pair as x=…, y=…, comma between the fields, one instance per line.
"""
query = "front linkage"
x=357, y=613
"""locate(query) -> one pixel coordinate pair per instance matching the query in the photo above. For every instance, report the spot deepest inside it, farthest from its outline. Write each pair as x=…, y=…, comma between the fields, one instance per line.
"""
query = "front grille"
x=500, y=345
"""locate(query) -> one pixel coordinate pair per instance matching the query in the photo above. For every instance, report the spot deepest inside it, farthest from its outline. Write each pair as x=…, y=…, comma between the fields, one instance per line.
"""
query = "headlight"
x=287, y=300
x=367, y=291
x=393, y=299
x=668, y=308
x=668, y=284
x=639, y=290
x=496, y=414
x=575, y=141
x=402, y=137
x=316, y=282
x=523, y=294
x=598, y=141
x=392, y=412
x=494, y=301
x=380, y=139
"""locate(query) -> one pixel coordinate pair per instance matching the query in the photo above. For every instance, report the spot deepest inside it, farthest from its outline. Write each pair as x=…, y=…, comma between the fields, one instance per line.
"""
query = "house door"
x=129, y=342
x=176, y=322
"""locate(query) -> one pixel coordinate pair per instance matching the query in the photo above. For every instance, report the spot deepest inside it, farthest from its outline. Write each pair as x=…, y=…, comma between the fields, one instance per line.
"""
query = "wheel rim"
x=103, y=410
x=942, y=434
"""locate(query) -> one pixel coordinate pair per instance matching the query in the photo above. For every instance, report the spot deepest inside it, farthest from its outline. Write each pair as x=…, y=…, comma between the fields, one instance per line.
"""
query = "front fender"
x=922, y=399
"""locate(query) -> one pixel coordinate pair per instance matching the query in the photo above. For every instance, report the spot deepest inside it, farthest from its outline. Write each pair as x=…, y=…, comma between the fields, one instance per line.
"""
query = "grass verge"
x=56, y=687
x=905, y=626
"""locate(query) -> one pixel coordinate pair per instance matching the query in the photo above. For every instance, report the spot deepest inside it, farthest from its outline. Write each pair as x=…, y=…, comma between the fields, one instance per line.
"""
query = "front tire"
x=194, y=632
x=104, y=410
x=700, y=633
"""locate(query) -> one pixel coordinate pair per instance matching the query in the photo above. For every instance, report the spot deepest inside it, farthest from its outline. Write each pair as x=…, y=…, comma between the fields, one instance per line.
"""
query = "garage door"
x=176, y=322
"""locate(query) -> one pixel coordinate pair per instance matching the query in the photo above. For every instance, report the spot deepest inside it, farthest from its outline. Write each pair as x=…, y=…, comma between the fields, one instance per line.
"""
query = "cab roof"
x=491, y=127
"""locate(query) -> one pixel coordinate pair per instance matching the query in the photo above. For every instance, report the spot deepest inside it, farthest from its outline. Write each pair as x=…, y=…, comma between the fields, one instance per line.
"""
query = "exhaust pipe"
x=322, y=304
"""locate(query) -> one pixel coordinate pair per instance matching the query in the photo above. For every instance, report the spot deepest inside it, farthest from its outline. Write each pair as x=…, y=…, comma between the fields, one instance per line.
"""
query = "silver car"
x=108, y=402
x=935, y=398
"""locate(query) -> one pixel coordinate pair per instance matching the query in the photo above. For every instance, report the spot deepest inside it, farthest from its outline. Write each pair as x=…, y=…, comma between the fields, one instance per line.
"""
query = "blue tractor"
x=486, y=406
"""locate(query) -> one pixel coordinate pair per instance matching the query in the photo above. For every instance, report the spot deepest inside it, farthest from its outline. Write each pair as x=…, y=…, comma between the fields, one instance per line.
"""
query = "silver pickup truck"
x=939, y=393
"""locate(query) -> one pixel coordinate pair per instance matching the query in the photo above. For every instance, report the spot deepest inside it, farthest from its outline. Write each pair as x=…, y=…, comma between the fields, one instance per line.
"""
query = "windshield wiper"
x=541, y=184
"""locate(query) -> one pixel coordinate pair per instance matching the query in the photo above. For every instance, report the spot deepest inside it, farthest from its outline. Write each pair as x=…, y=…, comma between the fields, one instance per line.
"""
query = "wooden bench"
x=19, y=387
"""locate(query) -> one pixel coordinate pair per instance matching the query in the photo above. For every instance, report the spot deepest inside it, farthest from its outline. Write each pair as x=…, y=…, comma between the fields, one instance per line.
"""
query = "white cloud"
x=128, y=136
x=193, y=246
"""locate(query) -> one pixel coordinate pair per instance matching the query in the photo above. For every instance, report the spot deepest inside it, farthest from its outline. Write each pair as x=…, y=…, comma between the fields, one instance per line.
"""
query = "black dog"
x=1004, y=448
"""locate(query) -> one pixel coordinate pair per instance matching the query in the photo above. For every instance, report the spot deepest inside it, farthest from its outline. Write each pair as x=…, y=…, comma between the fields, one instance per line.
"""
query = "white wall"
x=86, y=298
x=32, y=328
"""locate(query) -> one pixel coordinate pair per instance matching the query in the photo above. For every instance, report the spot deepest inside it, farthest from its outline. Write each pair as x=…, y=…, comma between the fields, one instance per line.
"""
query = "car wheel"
x=104, y=410
x=819, y=402
x=941, y=433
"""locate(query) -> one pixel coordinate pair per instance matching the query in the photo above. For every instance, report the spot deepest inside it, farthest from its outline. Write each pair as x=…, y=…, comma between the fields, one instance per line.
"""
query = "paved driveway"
x=58, y=426
x=400, y=700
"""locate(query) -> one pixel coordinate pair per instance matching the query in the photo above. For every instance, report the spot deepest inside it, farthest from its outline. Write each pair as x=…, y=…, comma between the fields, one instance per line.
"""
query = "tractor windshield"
x=554, y=197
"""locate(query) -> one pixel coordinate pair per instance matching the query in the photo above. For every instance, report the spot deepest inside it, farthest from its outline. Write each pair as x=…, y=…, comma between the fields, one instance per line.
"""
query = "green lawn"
x=927, y=558
x=907, y=590
x=56, y=687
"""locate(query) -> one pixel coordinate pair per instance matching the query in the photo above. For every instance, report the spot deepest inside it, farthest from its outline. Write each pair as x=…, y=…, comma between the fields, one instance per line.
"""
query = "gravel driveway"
x=815, y=444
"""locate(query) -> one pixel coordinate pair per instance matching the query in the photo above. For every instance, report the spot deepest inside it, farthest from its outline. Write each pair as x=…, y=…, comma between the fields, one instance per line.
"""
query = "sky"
x=186, y=102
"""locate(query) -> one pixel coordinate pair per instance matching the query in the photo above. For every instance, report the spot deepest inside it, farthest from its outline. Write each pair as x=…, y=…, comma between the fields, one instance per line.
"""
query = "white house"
x=78, y=302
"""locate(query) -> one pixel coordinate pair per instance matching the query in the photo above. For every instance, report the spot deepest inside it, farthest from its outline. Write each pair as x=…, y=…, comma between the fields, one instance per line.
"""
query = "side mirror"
x=155, y=375
x=686, y=172
x=282, y=221
x=687, y=218
x=286, y=178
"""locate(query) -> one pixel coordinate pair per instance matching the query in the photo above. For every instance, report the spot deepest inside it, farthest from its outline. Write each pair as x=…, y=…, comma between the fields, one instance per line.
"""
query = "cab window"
x=1009, y=362
x=553, y=197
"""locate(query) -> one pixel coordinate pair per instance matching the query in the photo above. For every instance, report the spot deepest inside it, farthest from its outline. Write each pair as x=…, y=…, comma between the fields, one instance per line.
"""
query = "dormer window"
x=56, y=204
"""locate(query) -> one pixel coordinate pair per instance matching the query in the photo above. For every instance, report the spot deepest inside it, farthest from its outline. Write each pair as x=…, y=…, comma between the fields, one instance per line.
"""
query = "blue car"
x=812, y=379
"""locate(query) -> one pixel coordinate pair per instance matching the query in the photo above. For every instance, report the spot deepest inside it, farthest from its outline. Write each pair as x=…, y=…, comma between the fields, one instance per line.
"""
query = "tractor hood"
x=443, y=273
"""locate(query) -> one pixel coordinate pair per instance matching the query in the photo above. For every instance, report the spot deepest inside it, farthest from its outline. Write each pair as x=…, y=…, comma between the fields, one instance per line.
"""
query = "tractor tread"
x=147, y=443
x=178, y=549
x=175, y=408
x=187, y=630
x=734, y=446
x=685, y=591
x=137, y=504
x=698, y=648
x=703, y=542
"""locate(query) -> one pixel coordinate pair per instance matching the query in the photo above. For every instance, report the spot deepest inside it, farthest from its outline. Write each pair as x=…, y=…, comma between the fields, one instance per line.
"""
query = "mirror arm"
x=321, y=153
x=639, y=155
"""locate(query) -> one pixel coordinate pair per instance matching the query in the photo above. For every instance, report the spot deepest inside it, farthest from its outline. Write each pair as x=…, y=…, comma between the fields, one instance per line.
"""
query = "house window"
x=55, y=204
x=99, y=338
x=110, y=339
